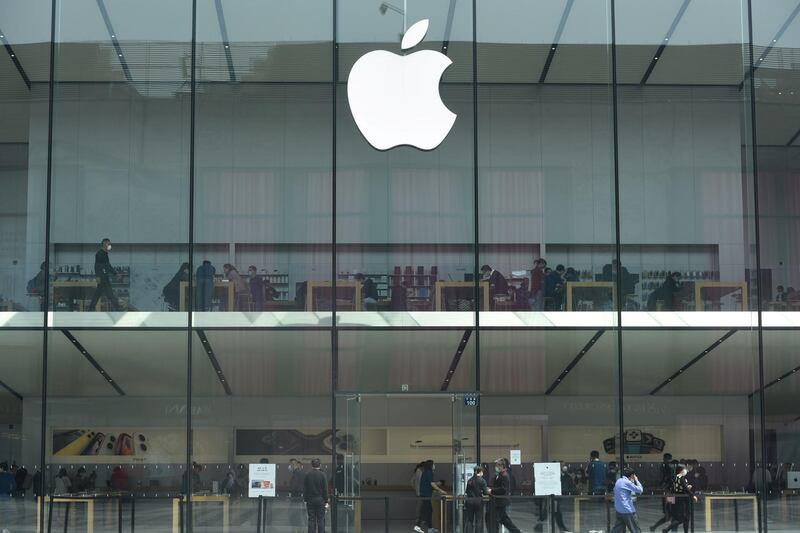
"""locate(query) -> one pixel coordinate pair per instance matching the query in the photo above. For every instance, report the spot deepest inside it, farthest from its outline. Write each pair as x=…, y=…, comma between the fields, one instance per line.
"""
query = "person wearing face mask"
x=103, y=272
x=684, y=497
x=426, y=488
x=501, y=492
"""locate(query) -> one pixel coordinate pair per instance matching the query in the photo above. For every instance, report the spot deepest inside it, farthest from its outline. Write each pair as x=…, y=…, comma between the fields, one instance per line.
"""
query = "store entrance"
x=383, y=437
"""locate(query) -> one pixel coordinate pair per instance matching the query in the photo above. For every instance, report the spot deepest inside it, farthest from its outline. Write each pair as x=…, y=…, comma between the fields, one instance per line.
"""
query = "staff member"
x=315, y=493
x=103, y=271
x=624, y=490
x=477, y=488
x=501, y=492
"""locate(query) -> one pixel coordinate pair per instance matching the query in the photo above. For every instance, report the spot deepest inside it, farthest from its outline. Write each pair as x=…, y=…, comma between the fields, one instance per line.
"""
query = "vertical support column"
x=762, y=501
x=190, y=300
x=618, y=280
x=46, y=295
x=476, y=228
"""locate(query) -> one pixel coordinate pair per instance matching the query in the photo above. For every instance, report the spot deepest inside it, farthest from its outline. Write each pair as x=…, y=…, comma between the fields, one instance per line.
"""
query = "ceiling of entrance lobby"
x=293, y=363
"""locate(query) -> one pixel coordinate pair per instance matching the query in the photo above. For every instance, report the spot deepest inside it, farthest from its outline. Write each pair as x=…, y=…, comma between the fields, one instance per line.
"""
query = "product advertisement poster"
x=134, y=445
x=262, y=480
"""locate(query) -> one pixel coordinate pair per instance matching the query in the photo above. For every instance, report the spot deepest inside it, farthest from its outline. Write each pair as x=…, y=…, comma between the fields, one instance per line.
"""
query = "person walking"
x=315, y=494
x=667, y=474
x=476, y=489
x=103, y=272
x=684, y=497
x=501, y=492
x=625, y=489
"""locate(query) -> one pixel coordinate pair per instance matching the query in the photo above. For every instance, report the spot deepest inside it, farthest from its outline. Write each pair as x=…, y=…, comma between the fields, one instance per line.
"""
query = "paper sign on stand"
x=262, y=480
x=515, y=457
x=547, y=479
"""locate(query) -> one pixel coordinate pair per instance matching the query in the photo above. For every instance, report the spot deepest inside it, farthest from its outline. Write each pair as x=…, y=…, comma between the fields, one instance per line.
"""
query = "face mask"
x=564, y=469
x=109, y=247
x=497, y=470
x=289, y=468
x=433, y=468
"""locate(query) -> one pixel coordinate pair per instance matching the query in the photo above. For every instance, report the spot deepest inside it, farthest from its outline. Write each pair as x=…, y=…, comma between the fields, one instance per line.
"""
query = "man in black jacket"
x=103, y=271
x=315, y=493
x=501, y=492
x=296, y=487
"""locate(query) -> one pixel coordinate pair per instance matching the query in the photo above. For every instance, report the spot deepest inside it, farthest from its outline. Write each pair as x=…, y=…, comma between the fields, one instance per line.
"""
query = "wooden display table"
x=576, y=500
x=444, y=285
x=572, y=285
x=735, y=497
x=66, y=499
x=720, y=288
x=85, y=289
x=204, y=498
x=351, y=303
x=225, y=287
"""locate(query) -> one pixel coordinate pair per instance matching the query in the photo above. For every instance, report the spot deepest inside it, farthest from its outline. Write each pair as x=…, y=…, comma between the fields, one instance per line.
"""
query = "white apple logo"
x=395, y=99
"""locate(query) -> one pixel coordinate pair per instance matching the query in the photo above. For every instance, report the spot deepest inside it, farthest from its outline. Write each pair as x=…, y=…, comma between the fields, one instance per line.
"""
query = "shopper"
x=625, y=489
x=476, y=489
x=7, y=488
x=537, y=285
x=103, y=272
x=426, y=488
x=296, y=486
x=172, y=290
x=205, y=285
x=501, y=493
x=596, y=474
x=256, y=284
x=498, y=284
x=63, y=484
x=369, y=292
x=240, y=288
x=667, y=474
x=681, y=512
x=315, y=494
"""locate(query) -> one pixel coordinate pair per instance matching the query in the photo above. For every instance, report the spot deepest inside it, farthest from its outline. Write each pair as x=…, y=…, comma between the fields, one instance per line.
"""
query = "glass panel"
x=263, y=188
x=404, y=204
x=397, y=361
x=546, y=183
x=258, y=397
x=776, y=40
x=686, y=208
x=553, y=396
x=116, y=425
x=24, y=33
x=120, y=158
x=683, y=124
x=24, y=67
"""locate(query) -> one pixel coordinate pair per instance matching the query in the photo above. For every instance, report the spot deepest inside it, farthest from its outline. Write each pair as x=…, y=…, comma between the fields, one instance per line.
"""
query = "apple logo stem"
x=395, y=99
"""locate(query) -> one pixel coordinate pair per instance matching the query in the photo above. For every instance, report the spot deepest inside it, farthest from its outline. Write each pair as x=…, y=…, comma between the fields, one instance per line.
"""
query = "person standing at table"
x=596, y=474
x=625, y=489
x=205, y=285
x=537, y=285
x=476, y=489
x=256, y=283
x=315, y=494
x=103, y=271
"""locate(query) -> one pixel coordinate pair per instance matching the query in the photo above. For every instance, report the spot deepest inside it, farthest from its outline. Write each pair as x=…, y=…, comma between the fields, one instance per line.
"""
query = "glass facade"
x=205, y=264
